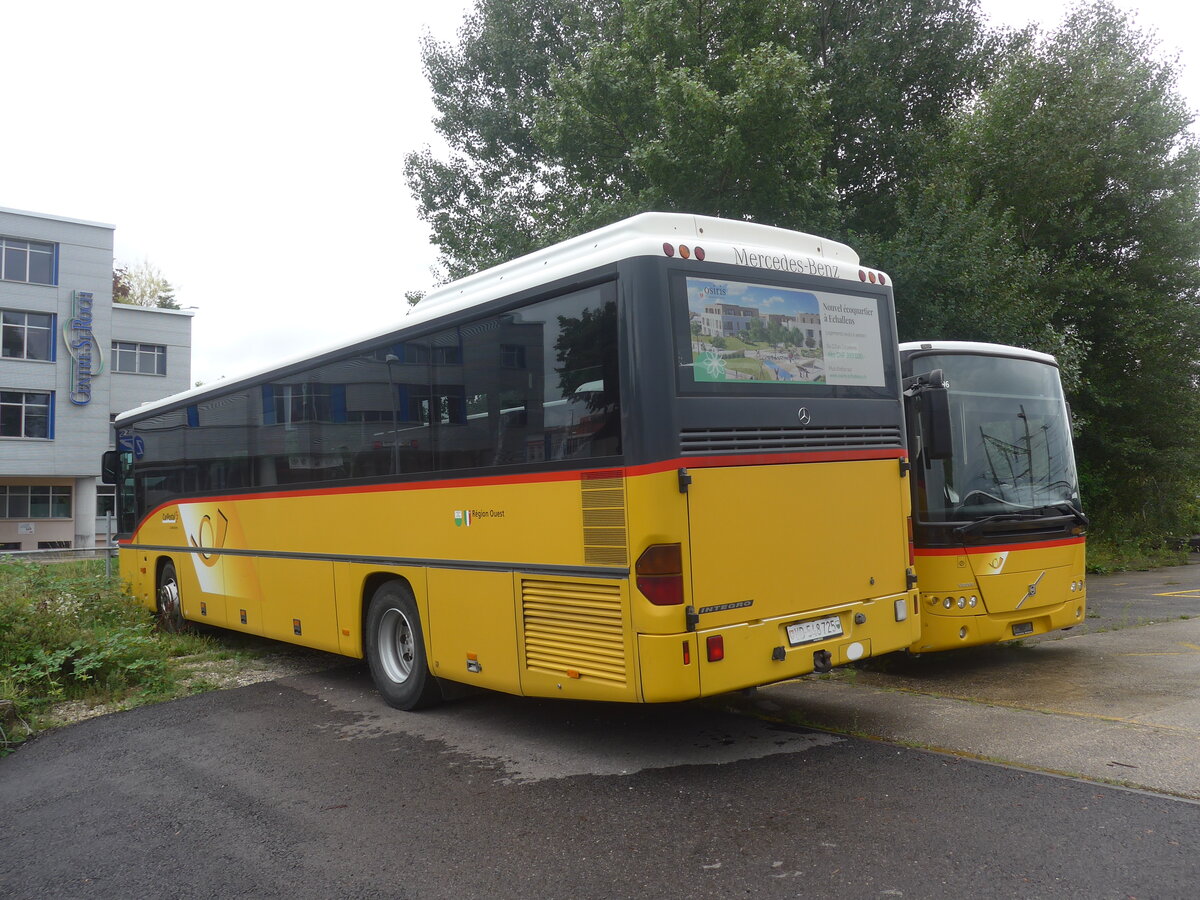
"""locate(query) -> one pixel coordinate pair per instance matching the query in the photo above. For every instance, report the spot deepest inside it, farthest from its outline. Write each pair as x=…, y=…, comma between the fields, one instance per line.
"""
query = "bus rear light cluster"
x=1077, y=585
x=873, y=277
x=684, y=251
x=660, y=574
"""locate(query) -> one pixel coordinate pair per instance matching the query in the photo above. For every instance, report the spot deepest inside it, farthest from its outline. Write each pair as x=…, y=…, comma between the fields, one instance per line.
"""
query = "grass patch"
x=1105, y=555
x=70, y=637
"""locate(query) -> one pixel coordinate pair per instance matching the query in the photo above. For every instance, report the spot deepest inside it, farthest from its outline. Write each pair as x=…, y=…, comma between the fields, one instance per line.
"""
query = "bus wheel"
x=170, y=608
x=395, y=649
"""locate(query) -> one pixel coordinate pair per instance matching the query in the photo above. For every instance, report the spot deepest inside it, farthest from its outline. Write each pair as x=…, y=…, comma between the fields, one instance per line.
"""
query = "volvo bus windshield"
x=1012, y=442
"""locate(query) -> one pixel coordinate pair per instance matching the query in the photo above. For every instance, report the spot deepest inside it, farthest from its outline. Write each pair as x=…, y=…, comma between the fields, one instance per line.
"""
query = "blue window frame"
x=26, y=335
x=27, y=414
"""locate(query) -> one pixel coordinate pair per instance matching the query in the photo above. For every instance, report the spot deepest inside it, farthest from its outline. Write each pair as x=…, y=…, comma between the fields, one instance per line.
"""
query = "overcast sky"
x=253, y=150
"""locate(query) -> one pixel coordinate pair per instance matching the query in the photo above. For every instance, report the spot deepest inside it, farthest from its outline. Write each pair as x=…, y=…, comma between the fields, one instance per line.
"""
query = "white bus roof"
x=980, y=348
x=700, y=238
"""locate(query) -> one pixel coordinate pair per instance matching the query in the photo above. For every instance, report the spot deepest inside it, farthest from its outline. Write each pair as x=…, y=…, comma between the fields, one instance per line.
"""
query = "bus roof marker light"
x=684, y=251
x=862, y=275
x=698, y=252
x=668, y=249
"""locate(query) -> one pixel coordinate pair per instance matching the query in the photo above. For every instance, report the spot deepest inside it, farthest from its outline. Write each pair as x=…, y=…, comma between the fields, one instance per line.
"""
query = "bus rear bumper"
x=729, y=658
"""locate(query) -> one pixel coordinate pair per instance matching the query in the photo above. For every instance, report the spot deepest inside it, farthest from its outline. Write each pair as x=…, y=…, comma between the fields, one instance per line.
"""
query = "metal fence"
x=107, y=553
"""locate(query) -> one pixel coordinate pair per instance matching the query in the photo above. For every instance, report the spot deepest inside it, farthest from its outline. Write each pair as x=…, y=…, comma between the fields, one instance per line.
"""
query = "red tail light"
x=912, y=553
x=715, y=644
x=660, y=574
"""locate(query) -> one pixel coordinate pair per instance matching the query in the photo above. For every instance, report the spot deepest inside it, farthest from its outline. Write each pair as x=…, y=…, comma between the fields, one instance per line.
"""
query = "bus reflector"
x=687, y=653
x=660, y=574
x=715, y=644
x=912, y=550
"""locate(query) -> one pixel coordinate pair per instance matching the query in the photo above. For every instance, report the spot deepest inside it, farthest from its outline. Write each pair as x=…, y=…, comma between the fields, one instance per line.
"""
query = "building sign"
x=87, y=359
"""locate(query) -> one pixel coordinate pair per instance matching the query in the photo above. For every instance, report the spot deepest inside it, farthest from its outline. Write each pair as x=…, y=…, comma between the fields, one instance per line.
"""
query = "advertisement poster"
x=757, y=334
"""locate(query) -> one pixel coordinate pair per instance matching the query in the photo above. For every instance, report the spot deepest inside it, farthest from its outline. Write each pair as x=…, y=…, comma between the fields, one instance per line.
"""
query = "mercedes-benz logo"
x=805, y=418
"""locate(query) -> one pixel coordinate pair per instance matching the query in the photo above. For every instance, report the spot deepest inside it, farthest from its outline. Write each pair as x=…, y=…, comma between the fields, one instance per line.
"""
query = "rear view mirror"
x=110, y=467
x=937, y=437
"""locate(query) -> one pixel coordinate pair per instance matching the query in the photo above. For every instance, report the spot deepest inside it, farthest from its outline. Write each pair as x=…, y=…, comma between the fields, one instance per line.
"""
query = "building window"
x=106, y=500
x=139, y=359
x=26, y=414
x=35, y=501
x=29, y=261
x=26, y=335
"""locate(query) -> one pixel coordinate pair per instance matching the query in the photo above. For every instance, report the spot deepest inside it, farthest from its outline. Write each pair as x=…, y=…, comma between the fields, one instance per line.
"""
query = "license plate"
x=814, y=630
x=1022, y=628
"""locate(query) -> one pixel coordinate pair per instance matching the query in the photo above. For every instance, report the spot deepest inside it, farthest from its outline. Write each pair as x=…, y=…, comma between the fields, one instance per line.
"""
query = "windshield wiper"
x=1071, y=510
x=978, y=524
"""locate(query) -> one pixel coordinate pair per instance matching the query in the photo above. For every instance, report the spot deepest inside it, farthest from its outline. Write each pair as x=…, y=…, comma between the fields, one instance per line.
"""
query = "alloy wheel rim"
x=395, y=645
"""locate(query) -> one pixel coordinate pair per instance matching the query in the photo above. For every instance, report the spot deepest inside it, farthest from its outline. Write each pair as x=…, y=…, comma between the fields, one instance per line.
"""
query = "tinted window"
x=534, y=384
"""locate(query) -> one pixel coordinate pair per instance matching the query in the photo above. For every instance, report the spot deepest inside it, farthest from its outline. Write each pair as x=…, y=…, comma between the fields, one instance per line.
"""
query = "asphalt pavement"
x=1116, y=699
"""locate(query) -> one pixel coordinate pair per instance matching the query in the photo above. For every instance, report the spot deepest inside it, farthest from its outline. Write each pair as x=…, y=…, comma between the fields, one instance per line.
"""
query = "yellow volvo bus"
x=659, y=461
x=999, y=530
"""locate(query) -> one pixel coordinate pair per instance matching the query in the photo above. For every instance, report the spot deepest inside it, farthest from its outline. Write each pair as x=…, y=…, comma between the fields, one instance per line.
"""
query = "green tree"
x=894, y=73
x=562, y=116
x=714, y=115
x=143, y=285
x=1083, y=143
x=495, y=195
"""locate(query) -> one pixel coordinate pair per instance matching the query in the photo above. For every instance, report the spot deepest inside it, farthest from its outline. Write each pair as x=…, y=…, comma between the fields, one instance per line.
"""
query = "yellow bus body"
x=1022, y=590
x=764, y=546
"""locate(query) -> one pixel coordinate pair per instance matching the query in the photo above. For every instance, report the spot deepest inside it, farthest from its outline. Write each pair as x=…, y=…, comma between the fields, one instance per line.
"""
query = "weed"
x=68, y=633
x=1106, y=555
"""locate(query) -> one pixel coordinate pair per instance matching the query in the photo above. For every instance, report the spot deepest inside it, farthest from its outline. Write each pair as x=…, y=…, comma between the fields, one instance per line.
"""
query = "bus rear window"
x=758, y=338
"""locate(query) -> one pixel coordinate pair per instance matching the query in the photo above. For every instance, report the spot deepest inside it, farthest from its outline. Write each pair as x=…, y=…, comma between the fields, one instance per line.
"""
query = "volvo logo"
x=805, y=418
x=1031, y=591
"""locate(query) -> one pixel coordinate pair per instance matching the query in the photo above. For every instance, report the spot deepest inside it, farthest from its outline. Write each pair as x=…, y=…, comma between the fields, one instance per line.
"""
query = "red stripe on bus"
x=997, y=548
x=699, y=462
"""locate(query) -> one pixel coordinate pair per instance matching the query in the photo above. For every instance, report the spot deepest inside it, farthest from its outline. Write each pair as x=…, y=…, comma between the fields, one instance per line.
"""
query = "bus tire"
x=395, y=649
x=169, y=604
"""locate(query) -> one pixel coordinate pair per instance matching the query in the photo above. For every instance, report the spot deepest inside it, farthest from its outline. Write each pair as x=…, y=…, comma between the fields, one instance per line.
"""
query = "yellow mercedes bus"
x=659, y=461
x=999, y=530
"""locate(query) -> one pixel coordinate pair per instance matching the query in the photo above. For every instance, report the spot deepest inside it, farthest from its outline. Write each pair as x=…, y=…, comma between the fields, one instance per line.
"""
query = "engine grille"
x=602, y=496
x=574, y=627
x=696, y=441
